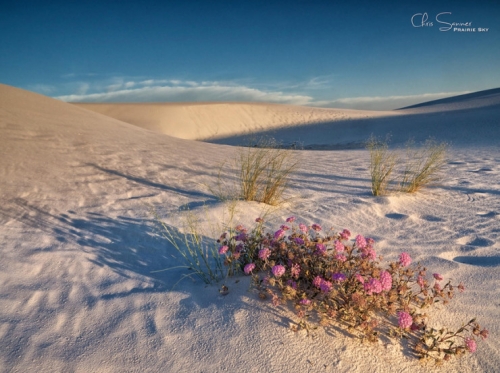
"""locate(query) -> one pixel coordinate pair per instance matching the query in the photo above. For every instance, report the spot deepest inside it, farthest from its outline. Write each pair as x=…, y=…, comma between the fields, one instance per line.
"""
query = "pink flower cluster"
x=386, y=280
x=322, y=284
x=373, y=286
x=321, y=249
x=405, y=320
x=345, y=234
x=405, y=259
x=264, y=253
x=360, y=242
x=279, y=234
x=470, y=345
x=249, y=268
x=278, y=270
x=316, y=227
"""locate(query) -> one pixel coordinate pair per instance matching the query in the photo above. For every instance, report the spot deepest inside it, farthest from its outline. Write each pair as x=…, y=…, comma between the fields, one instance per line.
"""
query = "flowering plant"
x=344, y=282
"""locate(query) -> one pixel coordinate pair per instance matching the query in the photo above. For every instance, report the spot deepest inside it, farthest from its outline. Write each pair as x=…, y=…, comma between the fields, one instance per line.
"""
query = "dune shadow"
x=149, y=183
x=480, y=261
x=353, y=133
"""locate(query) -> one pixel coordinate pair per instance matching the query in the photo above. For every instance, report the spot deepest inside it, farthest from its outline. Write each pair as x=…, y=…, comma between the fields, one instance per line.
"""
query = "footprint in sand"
x=491, y=214
x=396, y=216
x=483, y=169
x=471, y=243
x=431, y=218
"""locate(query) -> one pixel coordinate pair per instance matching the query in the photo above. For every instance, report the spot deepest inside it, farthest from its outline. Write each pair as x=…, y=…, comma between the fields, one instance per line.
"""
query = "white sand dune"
x=464, y=120
x=78, y=245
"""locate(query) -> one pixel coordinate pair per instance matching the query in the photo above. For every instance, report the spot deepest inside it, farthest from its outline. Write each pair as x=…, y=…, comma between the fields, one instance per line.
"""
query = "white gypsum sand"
x=79, y=246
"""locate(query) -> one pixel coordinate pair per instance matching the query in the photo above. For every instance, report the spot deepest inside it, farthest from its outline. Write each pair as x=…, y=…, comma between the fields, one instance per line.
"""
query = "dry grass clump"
x=421, y=167
x=382, y=164
x=261, y=173
x=264, y=172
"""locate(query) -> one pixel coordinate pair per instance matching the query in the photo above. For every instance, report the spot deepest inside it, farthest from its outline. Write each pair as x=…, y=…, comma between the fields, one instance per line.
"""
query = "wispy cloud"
x=384, y=102
x=178, y=91
x=130, y=89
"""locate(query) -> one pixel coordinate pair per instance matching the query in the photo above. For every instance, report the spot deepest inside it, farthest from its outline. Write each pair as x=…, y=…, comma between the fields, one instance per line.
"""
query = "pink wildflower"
x=291, y=219
x=405, y=259
x=369, y=253
x=264, y=253
x=421, y=281
x=360, y=242
x=249, y=268
x=240, y=228
x=370, y=241
x=339, y=277
x=345, y=234
x=305, y=302
x=223, y=249
x=405, y=320
x=461, y=287
x=325, y=286
x=321, y=249
x=316, y=227
x=259, y=220
x=373, y=286
x=470, y=344
x=278, y=270
x=285, y=227
x=295, y=270
x=386, y=280
x=317, y=281
x=339, y=246
x=438, y=277
x=279, y=234
x=437, y=287
x=340, y=257
x=304, y=228
x=359, y=278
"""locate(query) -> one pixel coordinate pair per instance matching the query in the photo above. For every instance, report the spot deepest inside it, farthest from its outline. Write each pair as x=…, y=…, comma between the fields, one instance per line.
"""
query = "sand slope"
x=202, y=121
x=465, y=120
x=78, y=247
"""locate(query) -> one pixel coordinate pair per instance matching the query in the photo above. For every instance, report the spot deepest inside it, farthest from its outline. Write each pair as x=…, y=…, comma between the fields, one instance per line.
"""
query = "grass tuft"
x=264, y=172
x=421, y=167
x=382, y=164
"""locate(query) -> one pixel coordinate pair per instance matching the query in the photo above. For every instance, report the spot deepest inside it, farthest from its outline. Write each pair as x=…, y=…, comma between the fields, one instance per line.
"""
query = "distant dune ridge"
x=79, y=251
x=469, y=119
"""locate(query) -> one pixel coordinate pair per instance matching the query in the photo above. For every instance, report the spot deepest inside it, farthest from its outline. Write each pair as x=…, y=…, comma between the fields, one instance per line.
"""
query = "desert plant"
x=420, y=167
x=199, y=254
x=264, y=172
x=344, y=283
x=423, y=166
x=382, y=164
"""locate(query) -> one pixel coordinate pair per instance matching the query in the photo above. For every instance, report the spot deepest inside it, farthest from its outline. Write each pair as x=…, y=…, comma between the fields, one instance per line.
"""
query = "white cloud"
x=384, y=102
x=178, y=91
x=128, y=89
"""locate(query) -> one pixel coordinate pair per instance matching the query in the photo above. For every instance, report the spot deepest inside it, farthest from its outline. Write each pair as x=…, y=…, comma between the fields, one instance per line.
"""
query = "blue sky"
x=358, y=54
